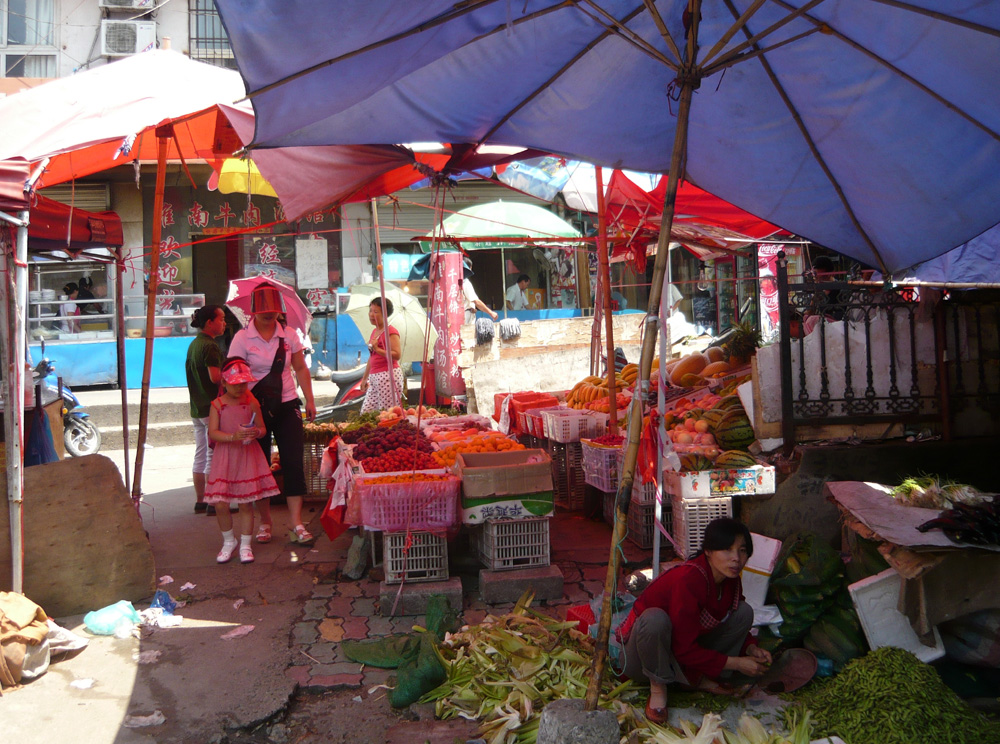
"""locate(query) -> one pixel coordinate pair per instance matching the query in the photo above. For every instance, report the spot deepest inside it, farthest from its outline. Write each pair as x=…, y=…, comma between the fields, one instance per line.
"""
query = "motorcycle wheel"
x=81, y=437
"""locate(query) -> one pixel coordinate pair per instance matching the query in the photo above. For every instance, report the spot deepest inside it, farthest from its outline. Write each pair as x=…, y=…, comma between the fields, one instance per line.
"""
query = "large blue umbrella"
x=868, y=126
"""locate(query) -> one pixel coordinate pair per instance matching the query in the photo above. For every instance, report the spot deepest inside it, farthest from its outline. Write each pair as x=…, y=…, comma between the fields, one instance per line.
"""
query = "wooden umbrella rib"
x=741, y=22
x=664, y=31
x=627, y=34
x=815, y=151
x=937, y=15
x=730, y=61
x=896, y=71
x=459, y=11
x=752, y=39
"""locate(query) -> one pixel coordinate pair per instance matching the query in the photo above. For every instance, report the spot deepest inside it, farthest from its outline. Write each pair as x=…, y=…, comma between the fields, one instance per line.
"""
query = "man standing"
x=516, y=298
x=472, y=301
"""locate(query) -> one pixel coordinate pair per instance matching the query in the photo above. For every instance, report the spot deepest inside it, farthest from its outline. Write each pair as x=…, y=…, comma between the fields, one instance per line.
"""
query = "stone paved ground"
x=341, y=609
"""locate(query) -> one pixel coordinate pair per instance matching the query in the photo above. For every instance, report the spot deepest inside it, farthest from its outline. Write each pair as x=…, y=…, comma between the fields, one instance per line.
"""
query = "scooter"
x=349, y=393
x=80, y=435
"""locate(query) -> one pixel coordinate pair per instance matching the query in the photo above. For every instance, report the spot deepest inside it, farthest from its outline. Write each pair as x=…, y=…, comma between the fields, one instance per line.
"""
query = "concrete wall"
x=78, y=35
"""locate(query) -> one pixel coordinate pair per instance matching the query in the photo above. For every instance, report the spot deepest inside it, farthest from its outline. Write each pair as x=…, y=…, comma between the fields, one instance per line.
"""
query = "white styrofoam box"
x=876, y=600
x=701, y=484
x=757, y=572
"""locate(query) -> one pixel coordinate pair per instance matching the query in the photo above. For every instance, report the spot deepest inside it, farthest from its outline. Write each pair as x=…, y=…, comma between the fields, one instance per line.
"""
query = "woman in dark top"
x=85, y=291
x=692, y=623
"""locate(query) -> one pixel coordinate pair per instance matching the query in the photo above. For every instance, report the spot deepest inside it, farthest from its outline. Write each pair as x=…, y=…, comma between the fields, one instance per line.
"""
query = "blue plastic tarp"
x=870, y=128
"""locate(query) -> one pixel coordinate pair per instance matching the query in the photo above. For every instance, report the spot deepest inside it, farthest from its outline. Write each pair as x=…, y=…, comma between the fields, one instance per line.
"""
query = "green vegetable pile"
x=889, y=696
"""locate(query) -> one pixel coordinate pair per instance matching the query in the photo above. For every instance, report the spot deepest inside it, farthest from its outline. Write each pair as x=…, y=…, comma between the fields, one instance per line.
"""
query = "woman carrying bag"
x=273, y=354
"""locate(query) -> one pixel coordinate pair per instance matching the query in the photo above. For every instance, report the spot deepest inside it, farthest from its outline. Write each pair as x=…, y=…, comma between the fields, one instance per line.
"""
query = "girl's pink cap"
x=236, y=372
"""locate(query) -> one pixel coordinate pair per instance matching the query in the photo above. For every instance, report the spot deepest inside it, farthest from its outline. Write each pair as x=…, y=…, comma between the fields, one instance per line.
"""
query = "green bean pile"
x=891, y=697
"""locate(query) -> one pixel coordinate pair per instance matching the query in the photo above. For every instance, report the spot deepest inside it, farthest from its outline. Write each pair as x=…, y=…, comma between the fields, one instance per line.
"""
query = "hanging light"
x=703, y=282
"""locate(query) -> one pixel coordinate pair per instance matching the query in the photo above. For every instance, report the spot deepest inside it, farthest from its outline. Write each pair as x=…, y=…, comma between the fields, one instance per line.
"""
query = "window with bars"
x=27, y=38
x=209, y=42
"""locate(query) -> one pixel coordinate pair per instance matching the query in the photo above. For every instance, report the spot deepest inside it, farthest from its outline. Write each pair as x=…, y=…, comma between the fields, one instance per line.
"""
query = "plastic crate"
x=568, y=480
x=643, y=491
x=513, y=543
x=316, y=485
x=570, y=425
x=583, y=615
x=533, y=422
x=640, y=523
x=414, y=556
x=427, y=505
x=601, y=465
x=691, y=517
x=608, y=507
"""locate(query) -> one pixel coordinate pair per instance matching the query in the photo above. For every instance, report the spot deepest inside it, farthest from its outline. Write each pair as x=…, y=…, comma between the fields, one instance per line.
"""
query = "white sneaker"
x=227, y=552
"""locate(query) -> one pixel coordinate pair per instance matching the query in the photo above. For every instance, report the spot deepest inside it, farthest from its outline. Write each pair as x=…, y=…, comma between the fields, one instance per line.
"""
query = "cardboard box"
x=757, y=572
x=701, y=484
x=489, y=474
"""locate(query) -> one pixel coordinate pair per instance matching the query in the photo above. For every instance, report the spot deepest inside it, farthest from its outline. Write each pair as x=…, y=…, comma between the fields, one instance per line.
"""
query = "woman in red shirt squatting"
x=692, y=624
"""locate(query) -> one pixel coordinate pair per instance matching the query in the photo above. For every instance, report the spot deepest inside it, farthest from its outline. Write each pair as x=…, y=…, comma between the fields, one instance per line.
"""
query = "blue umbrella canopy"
x=868, y=126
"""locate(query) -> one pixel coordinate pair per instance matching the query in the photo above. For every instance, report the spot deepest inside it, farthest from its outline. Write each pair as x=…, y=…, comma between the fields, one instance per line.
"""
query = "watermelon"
x=734, y=431
x=731, y=459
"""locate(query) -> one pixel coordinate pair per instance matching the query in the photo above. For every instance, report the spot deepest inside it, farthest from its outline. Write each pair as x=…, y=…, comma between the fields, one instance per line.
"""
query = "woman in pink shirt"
x=383, y=386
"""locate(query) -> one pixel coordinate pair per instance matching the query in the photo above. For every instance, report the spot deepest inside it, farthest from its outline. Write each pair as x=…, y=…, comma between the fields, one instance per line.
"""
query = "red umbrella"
x=239, y=301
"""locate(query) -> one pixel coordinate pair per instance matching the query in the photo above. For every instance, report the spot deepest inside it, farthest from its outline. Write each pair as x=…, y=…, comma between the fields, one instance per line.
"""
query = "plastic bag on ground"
x=105, y=620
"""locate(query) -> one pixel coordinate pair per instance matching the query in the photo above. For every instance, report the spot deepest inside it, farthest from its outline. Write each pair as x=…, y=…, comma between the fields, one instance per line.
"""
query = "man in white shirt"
x=516, y=298
x=472, y=301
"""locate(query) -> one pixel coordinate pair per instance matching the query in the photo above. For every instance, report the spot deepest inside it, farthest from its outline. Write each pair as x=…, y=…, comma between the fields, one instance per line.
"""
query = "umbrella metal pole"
x=503, y=280
x=385, y=315
x=14, y=288
x=604, y=266
x=120, y=348
x=163, y=140
x=624, y=493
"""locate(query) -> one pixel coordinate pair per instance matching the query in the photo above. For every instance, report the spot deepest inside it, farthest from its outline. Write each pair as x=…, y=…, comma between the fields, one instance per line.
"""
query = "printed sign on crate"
x=700, y=484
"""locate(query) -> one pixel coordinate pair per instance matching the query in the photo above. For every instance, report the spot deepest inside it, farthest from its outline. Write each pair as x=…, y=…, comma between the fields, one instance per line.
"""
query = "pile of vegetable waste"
x=503, y=671
x=935, y=492
x=889, y=696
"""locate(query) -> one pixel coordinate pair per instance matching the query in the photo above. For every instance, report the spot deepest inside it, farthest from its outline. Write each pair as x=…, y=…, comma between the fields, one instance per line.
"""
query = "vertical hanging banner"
x=447, y=316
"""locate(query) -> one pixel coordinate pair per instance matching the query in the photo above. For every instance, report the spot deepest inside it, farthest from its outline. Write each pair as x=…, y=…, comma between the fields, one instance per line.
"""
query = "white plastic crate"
x=691, y=517
x=643, y=491
x=571, y=425
x=513, y=543
x=601, y=465
x=425, y=559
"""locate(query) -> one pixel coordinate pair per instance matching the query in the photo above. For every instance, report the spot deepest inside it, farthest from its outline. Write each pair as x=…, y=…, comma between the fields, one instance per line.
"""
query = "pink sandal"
x=263, y=534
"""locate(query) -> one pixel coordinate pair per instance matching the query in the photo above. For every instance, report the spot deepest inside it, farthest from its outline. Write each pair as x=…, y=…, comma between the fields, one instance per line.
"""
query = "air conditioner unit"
x=126, y=4
x=122, y=38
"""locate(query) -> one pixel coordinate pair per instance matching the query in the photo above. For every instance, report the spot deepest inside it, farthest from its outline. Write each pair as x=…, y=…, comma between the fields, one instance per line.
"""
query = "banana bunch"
x=592, y=388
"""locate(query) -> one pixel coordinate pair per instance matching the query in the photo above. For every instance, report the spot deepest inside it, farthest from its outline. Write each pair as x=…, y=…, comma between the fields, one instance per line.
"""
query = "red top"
x=696, y=605
x=378, y=363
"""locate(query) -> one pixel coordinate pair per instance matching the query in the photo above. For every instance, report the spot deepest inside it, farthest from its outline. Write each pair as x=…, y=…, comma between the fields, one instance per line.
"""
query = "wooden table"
x=941, y=580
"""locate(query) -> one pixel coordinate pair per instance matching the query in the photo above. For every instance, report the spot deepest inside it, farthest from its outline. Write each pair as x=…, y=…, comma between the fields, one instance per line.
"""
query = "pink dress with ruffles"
x=240, y=474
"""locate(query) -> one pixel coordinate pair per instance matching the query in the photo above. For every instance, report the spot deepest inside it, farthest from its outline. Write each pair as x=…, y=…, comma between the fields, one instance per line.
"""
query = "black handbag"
x=268, y=389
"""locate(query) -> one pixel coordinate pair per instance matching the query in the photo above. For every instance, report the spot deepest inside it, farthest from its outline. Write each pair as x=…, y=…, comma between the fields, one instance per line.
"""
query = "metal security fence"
x=861, y=352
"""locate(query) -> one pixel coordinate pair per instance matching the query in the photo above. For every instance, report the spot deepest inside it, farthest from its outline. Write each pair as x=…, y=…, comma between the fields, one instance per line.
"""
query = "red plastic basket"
x=427, y=505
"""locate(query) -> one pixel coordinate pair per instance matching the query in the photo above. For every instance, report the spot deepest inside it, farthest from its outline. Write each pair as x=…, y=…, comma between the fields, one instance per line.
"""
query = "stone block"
x=415, y=595
x=496, y=587
x=566, y=722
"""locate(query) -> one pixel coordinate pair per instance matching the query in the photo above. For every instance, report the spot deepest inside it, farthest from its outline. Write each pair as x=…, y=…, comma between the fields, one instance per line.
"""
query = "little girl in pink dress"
x=240, y=474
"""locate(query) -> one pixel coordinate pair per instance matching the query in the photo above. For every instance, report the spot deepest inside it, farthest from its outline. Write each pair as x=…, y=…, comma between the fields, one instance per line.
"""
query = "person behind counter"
x=85, y=292
x=472, y=301
x=273, y=355
x=515, y=297
x=69, y=309
x=692, y=625
x=379, y=381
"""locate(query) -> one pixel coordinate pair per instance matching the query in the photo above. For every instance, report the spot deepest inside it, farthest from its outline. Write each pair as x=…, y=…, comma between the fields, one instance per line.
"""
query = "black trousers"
x=287, y=432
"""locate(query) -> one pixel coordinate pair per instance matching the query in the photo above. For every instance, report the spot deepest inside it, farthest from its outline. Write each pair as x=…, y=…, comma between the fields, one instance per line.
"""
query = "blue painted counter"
x=96, y=362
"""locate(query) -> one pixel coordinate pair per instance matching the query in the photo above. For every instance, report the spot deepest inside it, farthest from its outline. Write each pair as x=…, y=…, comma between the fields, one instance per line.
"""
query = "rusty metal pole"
x=163, y=135
x=688, y=82
x=603, y=264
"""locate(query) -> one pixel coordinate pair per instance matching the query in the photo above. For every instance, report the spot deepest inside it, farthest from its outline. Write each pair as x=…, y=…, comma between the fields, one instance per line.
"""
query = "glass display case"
x=173, y=315
x=70, y=301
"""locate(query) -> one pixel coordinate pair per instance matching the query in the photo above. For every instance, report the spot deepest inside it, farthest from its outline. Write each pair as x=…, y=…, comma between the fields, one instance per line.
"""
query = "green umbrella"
x=494, y=221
